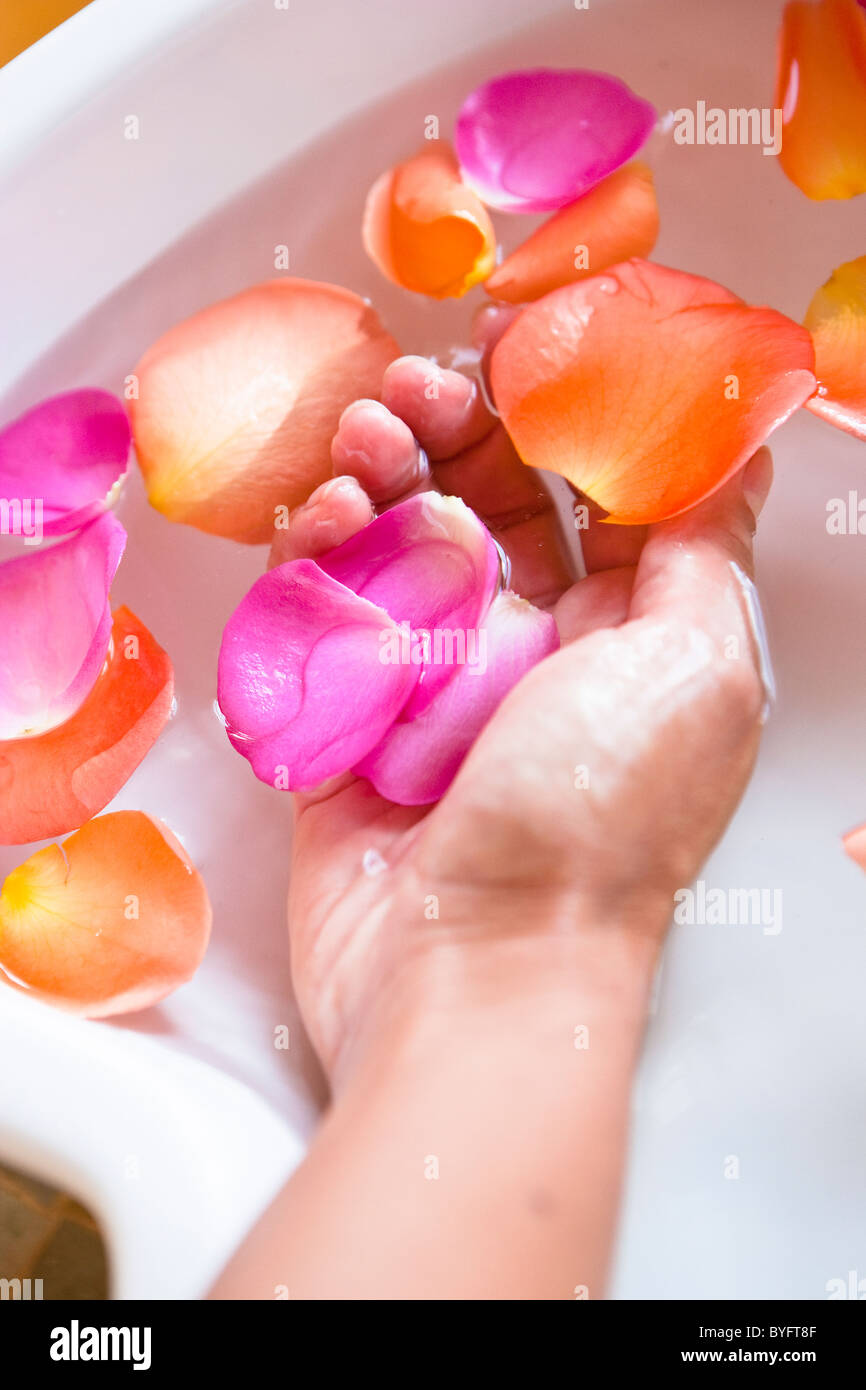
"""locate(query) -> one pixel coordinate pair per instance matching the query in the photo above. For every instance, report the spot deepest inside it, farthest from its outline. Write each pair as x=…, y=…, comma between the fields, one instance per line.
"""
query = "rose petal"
x=302, y=683
x=237, y=406
x=617, y=219
x=821, y=91
x=416, y=762
x=52, y=784
x=426, y=230
x=55, y=624
x=646, y=387
x=430, y=563
x=535, y=141
x=836, y=319
x=67, y=454
x=113, y=921
x=854, y=845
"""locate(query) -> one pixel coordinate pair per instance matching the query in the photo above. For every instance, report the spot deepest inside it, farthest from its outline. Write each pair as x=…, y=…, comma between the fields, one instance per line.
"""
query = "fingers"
x=605, y=546
x=380, y=450
x=333, y=513
x=695, y=571
x=686, y=559
x=601, y=600
x=444, y=410
x=474, y=459
x=513, y=501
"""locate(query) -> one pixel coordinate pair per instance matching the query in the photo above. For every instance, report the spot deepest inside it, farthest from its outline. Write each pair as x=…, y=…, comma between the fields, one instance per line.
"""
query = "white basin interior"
x=756, y=1048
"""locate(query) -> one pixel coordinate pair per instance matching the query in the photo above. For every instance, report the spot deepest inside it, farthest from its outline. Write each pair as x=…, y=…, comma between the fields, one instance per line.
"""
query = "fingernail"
x=755, y=620
x=756, y=480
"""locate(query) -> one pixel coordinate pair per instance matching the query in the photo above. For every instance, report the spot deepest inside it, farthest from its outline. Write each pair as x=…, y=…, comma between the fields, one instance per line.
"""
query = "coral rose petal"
x=647, y=387
x=821, y=91
x=66, y=454
x=237, y=405
x=416, y=762
x=854, y=845
x=52, y=784
x=426, y=230
x=614, y=221
x=430, y=563
x=55, y=625
x=302, y=683
x=113, y=920
x=535, y=141
x=836, y=319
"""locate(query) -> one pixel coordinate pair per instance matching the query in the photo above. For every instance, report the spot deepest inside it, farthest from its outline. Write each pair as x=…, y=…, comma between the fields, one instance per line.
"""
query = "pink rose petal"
x=302, y=683
x=416, y=762
x=55, y=625
x=535, y=141
x=67, y=453
x=430, y=563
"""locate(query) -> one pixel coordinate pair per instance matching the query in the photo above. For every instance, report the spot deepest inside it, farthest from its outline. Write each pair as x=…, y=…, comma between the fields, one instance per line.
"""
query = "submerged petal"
x=854, y=845
x=648, y=429
x=534, y=141
x=55, y=624
x=307, y=682
x=416, y=762
x=429, y=563
x=821, y=91
x=617, y=219
x=52, y=784
x=113, y=920
x=426, y=230
x=66, y=455
x=237, y=405
x=836, y=318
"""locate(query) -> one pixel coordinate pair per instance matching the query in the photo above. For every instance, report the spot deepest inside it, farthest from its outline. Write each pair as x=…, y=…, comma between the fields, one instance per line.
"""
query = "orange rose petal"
x=426, y=230
x=112, y=921
x=646, y=387
x=854, y=845
x=836, y=319
x=237, y=405
x=53, y=783
x=821, y=90
x=614, y=221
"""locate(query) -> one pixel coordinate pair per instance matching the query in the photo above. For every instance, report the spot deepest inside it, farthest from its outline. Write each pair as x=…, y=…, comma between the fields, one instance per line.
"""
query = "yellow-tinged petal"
x=237, y=405
x=113, y=920
x=427, y=231
x=836, y=318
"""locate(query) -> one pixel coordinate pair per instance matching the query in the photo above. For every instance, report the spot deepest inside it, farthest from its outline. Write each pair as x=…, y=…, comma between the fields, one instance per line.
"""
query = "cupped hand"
x=605, y=777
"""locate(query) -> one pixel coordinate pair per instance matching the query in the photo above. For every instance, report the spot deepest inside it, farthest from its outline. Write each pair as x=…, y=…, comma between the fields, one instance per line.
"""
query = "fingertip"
x=444, y=409
x=757, y=479
x=332, y=514
x=489, y=324
x=376, y=447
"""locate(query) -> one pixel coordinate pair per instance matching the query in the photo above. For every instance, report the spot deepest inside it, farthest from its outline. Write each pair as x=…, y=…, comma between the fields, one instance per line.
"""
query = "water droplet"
x=373, y=863
x=219, y=714
x=504, y=566
x=172, y=714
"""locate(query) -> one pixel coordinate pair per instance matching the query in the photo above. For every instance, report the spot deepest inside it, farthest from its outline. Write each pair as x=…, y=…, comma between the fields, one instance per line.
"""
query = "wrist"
x=494, y=963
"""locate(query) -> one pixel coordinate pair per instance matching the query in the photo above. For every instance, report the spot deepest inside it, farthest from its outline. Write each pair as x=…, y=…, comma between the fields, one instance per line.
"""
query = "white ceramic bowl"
x=262, y=126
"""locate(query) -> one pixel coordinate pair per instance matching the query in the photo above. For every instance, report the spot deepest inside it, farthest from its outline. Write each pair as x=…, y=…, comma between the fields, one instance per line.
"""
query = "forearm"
x=475, y=1146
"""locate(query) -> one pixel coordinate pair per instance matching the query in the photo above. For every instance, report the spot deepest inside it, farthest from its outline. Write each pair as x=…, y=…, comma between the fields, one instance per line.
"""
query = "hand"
x=606, y=776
